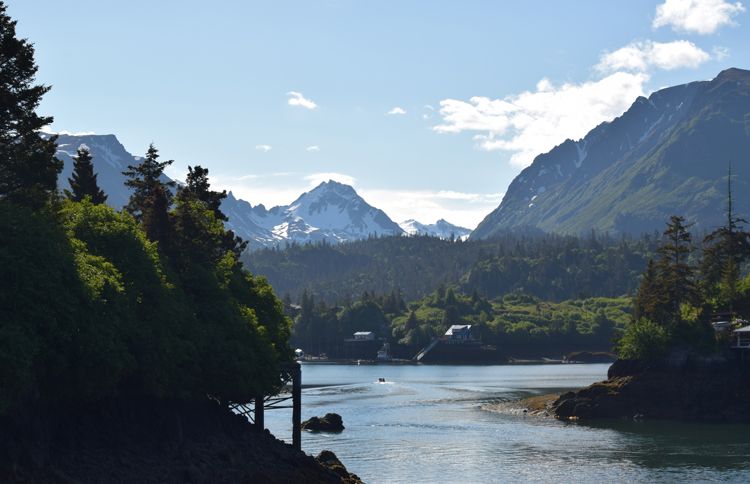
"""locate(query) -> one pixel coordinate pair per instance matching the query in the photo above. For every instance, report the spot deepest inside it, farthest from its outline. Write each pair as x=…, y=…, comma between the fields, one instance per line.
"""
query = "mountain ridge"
x=667, y=154
x=332, y=212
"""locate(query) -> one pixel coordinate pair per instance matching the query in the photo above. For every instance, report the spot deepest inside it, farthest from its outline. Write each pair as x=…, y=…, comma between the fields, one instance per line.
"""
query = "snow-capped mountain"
x=332, y=211
x=441, y=229
x=109, y=157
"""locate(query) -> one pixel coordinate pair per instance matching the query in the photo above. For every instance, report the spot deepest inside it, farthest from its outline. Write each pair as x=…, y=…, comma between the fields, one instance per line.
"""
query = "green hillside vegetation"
x=94, y=304
x=518, y=324
x=549, y=267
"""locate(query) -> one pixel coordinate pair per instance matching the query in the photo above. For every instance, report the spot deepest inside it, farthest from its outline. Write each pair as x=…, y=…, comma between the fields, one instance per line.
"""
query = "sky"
x=428, y=108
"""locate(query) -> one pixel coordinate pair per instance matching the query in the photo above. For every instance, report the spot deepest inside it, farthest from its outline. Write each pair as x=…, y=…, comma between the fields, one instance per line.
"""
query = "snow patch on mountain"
x=441, y=229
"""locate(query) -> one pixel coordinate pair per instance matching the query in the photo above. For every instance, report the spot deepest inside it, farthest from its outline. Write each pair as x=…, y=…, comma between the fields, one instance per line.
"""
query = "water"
x=431, y=424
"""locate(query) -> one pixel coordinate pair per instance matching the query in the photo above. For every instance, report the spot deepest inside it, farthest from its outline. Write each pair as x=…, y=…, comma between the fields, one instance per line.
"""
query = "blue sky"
x=276, y=96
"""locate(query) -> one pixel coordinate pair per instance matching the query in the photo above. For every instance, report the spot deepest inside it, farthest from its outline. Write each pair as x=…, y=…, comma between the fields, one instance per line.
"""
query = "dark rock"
x=328, y=459
x=331, y=422
x=699, y=390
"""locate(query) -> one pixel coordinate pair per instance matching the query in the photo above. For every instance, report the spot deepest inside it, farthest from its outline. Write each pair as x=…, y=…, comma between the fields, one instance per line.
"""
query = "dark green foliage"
x=644, y=340
x=83, y=180
x=28, y=167
x=197, y=187
x=90, y=309
x=549, y=267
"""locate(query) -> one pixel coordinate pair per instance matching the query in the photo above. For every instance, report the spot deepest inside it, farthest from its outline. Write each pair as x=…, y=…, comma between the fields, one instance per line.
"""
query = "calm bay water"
x=431, y=424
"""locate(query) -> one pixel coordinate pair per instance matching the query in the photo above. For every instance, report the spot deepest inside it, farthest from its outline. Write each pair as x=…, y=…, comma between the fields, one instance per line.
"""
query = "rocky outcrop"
x=707, y=391
x=329, y=460
x=152, y=442
x=330, y=422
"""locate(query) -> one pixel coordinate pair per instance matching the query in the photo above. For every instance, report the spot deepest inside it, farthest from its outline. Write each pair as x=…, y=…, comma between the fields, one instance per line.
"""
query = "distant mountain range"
x=441, y=229
x=667, y=154
x=332, y=212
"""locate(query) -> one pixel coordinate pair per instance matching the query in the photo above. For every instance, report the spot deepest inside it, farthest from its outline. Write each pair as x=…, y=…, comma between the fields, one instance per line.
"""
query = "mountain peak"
x=665, y=155
x=733, y=74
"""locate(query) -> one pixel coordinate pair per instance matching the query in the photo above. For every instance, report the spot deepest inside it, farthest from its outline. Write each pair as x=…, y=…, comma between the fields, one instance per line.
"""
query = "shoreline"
x=536, y=406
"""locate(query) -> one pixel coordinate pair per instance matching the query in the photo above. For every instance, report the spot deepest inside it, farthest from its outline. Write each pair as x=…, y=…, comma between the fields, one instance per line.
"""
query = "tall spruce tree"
x=676, y=282
x=151, y=198
x=724, y=251
x=83, y=181
x=197, y=187
x=28, y=167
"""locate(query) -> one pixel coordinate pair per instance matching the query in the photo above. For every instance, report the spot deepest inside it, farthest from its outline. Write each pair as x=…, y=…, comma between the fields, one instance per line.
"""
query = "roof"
x=458, y=328
x=744, y=329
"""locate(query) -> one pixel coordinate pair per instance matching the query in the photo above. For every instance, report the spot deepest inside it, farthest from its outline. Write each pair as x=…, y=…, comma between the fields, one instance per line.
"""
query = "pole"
x=297, y=406
x=259, y=420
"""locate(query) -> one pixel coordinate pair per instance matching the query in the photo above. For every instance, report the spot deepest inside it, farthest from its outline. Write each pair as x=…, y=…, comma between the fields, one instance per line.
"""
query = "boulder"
x=331, y=422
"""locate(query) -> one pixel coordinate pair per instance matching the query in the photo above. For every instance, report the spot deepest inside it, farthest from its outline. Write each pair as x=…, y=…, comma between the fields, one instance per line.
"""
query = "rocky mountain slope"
x=441, y=229
x=667, y=154
x=332, y=211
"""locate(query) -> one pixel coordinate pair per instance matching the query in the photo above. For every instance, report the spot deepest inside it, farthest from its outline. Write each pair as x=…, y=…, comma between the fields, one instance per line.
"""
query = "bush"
x=643, y=340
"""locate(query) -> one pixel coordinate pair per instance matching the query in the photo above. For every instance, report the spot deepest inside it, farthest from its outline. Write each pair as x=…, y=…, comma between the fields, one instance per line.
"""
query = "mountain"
x=667, y=154
x=109, y=157
x=441, y=229
x=331, y=212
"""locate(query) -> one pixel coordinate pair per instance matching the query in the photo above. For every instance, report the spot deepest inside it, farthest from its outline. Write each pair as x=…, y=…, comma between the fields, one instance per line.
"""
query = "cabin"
x=364, y=336
x=741, y=338
x=459, y=333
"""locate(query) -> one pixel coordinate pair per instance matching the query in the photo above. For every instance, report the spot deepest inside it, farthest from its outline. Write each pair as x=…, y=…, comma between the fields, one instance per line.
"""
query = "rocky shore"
x=690, y=390
x=152, y=442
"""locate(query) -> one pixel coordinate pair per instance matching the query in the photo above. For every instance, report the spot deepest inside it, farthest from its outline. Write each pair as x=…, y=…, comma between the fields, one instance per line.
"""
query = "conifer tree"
x=83, y=181
x=676, y=282
x=28, y=167
x=197, y=187
x=725, y=249
x=151, y=198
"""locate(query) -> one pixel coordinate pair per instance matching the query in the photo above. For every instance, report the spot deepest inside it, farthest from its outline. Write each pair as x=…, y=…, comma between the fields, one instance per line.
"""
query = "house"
x=741, y=338
x=364, y=336
x=459, y=332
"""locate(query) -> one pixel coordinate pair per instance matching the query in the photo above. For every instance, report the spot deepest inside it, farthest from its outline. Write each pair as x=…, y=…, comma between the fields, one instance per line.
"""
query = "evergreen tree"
x=151, y=198
x=675, y=275
x=197, y=187
x=83, y=180
x=725, y=249
x=646, y=304
x=28, y=167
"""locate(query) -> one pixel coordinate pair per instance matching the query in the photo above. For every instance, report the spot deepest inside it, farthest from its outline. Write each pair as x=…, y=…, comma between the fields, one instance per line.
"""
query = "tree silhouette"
x=83, y=180
x=28, y=167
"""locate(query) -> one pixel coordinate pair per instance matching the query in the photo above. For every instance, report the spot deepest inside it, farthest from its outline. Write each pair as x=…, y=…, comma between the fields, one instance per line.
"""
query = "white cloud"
x=696, y=16
x=427, y=206
x=397, y=110
x=264, y=148
x=316, y=179
x=297, y=99
x=313, y=148
x=720, y=53
x=534, y=122
x=640, y=56
x=48, y=130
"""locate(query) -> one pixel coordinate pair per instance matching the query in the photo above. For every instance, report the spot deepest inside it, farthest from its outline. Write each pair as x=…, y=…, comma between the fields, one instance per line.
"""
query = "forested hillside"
x=549, y=267
x=150, y=302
